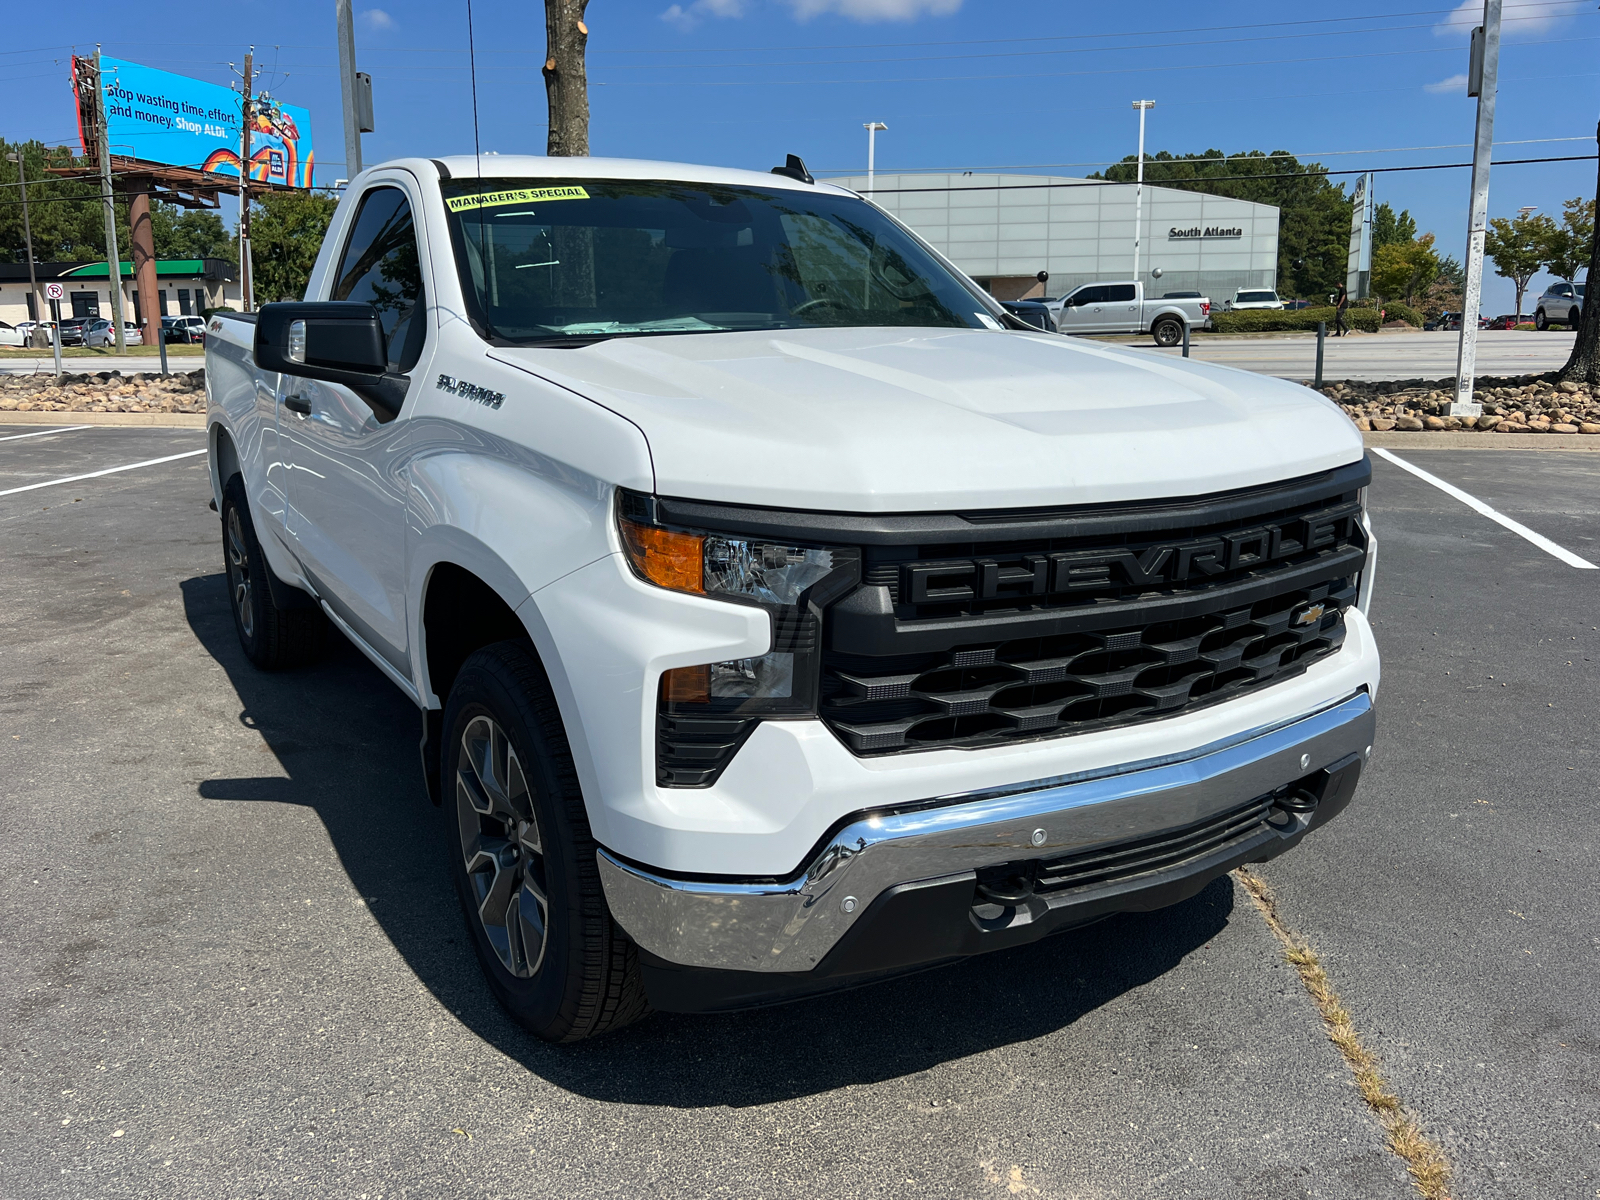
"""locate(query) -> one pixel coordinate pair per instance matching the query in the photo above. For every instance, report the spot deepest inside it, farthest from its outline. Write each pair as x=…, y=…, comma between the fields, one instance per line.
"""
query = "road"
x=1292, y=356
x=231, y=964
x=89, y=364
x=1381, y=355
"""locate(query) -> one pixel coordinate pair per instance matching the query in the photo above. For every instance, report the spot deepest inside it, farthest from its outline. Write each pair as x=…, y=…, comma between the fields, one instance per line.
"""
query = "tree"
x=1314, y=215
x=68, y=225
x=286, y=231
x=1566, y=247
x=1390, y=230
x=566, y=80
x=1400, y=270
x=1517, y=248
x=1583, y=365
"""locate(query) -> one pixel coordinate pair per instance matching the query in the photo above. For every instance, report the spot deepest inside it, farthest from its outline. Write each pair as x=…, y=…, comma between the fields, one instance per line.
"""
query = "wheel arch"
x=468, y=597
x=223, y=459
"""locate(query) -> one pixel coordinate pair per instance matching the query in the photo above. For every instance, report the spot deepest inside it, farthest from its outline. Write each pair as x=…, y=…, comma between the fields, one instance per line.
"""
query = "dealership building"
x=1002, y=230
x=187, y=285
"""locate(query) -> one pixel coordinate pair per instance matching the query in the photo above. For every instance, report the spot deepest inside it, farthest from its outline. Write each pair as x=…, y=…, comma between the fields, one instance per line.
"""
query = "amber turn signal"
x=665, y=557
x=686, y=685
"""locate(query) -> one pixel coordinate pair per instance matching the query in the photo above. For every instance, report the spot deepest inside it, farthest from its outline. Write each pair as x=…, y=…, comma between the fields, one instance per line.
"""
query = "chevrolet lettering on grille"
x=1161, y=564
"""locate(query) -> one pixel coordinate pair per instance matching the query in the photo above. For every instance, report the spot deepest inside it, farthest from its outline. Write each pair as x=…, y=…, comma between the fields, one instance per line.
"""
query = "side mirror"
x=335, y=342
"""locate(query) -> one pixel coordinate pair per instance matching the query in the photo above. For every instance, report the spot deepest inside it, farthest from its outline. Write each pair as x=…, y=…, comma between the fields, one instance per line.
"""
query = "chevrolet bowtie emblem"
x=1310, y=614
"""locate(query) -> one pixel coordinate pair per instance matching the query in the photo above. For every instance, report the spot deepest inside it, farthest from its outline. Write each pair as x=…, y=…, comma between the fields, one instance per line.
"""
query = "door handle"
x=298, y=404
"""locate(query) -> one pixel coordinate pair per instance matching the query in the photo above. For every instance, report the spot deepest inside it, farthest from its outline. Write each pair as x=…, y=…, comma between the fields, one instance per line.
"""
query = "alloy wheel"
x=501, y=847
x=239, y=573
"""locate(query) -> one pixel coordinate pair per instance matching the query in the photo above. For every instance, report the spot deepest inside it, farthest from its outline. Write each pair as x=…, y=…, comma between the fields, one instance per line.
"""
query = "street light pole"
x=872, y=128
x=37, y=314
x=1483, y=67
x=1138, y=195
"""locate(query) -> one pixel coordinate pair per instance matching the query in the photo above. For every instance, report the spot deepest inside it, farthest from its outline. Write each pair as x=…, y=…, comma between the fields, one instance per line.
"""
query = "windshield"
x=1257, y=297
x=602, y=258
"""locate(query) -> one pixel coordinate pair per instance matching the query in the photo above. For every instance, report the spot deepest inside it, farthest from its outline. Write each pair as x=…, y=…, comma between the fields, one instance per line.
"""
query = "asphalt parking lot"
x=231, y=964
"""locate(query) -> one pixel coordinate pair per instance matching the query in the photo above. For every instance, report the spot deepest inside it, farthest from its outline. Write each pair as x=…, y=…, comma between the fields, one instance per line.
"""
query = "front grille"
x=1075, y=682
x=1068, y=634
x=1109, y=864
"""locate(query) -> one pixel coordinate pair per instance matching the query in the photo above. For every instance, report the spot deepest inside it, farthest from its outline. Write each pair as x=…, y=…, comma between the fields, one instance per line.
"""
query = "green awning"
x=164, y=266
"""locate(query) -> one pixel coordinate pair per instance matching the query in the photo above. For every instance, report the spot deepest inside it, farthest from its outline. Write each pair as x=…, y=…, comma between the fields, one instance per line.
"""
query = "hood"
x=887, y=420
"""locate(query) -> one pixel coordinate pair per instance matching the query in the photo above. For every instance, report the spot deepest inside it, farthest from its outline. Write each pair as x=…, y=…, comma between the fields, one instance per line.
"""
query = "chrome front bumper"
x=791, y=926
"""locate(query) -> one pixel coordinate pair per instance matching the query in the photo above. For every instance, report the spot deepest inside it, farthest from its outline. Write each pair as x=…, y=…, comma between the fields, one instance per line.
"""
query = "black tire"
x=1168, y=332
x=273, y=638
x=1574, y=318
x=518, y=841
x=1540, y=321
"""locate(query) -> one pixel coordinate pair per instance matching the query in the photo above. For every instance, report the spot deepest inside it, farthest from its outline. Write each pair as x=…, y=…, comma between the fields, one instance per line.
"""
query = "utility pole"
x=1483, y=67
x=872, y=128
x=113, y=256
x=347, y=87
x=1138, y=195
x=37, y=312
x=566, y=78
x=247, y=283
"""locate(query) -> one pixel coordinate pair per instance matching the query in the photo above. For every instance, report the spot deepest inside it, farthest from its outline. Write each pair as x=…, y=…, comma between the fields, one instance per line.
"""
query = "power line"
x=1170, y=182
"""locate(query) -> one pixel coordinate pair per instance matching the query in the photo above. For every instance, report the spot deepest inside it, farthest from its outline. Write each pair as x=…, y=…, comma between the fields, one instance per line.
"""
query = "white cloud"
x=874, y=10
x=688, y=16
x=1456, y=83
x=1526, y=16
x=376, y=18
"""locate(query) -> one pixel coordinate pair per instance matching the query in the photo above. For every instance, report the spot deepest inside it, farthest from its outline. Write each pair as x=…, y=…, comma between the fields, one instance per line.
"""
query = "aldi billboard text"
x=156, y=116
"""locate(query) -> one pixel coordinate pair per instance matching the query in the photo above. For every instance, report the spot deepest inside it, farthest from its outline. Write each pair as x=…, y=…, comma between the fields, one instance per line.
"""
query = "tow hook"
x=1009, y=891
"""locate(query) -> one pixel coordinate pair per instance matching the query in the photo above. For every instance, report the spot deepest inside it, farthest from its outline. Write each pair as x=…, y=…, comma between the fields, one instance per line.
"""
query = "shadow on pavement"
x=348, y=742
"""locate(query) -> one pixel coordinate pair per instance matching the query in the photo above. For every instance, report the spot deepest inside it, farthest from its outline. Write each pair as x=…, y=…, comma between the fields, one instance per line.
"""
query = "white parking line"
x=11, y=437
x=1472, y=502
x=149, y=462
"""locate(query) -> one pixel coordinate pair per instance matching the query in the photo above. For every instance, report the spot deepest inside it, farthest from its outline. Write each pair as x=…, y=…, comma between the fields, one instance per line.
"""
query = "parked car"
x=10, y=335
x=1508, y=321
x=98, y=334
x=26, y=329
x=132, y=335
x=1249, y=298
x=1561, y=304
x=1034, y=312
x=1120, y=307
x=184, y=329
x=1451, y=321
x=773, y=631
x=72, y=330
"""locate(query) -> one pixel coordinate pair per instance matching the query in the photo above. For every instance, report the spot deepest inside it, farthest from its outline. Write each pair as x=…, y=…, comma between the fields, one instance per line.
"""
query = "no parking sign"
x=54, y=291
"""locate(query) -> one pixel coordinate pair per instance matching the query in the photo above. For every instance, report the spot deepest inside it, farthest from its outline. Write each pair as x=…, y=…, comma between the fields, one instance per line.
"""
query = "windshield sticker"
x=514, y=196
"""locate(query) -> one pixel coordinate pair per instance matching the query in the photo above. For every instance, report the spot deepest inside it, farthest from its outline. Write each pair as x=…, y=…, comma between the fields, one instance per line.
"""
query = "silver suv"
x=1561, y=304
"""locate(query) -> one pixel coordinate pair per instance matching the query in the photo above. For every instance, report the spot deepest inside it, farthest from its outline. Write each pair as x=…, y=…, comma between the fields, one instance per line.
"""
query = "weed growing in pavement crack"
x=1424, y=1158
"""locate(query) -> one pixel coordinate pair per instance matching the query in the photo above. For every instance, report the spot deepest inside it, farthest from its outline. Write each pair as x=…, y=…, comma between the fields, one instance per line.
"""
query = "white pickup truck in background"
x=1121, y=307
x=783, y=615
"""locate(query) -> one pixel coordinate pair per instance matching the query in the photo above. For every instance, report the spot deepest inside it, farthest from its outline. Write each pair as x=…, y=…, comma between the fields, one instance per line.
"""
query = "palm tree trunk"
x=1584, y=364
x=566, y=80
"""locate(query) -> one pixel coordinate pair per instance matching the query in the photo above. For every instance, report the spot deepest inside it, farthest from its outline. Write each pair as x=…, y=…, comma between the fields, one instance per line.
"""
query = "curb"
x=1449, y=439
x=146, y=419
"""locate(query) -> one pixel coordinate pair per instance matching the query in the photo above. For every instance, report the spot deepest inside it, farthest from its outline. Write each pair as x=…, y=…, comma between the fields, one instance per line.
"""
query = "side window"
x=1089, y=295
x=1118, y=292
x=380, y=267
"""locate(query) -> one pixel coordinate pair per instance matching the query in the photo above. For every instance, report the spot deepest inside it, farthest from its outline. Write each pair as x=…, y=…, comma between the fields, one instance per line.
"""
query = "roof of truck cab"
x=535, y=166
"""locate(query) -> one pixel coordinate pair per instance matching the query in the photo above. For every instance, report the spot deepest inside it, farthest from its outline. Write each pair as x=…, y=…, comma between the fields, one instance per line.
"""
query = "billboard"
x=156, y=116
x=1358, y=264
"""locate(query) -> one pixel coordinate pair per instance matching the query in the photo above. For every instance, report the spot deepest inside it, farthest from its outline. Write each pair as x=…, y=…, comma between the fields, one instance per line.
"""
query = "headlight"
x=792, y=583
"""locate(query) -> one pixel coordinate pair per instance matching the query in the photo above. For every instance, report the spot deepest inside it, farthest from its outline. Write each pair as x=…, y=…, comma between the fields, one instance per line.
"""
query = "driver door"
x=346, y=461
x=1082, y=311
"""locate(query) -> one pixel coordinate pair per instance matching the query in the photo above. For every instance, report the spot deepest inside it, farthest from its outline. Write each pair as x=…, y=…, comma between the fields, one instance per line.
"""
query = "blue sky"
x=962, y=84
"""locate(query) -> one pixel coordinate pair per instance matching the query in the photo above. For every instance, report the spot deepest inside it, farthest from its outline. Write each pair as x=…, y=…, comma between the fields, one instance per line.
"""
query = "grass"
x=1424, y=1158
x=173, y=351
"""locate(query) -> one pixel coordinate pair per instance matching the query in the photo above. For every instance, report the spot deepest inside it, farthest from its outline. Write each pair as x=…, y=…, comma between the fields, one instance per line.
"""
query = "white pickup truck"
x=1121, y=307
x=781, y=615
